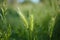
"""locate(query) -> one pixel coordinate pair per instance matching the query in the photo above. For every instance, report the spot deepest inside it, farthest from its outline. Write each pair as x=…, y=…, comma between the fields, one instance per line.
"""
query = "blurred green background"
x=29, y=19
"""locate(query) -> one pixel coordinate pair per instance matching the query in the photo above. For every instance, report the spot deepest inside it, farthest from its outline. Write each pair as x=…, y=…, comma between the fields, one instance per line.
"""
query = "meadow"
x=28, y=21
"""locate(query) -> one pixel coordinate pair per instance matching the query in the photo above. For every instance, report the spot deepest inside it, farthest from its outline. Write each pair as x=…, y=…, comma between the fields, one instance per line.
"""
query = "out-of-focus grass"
x=28, y=22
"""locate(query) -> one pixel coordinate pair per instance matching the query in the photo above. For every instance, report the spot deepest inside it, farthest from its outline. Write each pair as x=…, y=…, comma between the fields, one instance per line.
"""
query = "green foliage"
x=34, y=23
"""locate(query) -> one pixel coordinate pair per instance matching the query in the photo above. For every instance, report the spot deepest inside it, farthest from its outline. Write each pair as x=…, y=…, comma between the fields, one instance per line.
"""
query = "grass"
x=28, y=22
